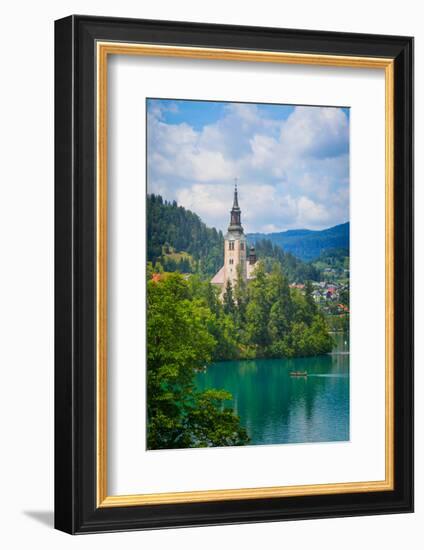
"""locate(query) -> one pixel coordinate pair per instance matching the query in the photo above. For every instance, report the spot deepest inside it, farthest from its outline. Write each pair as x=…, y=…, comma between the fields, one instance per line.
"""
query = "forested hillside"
x=305, y=244
x=177, y=240
x=295, y=270
x=333, y=264
x=171, y=230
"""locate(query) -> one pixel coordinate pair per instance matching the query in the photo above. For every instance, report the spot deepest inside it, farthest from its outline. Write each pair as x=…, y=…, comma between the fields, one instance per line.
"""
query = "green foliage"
x=257, y=311
x=172, y=228
x=308, y=245
x=149, y=271
x=182, y=262
x=281, y=322
x=211, y=425
x=229, y=305
x=307, y=340
x=241, y=299
x=296, y=270
x=311, y=307
x=339, y=323
x=189, y=325
x=281, y=311
x=333, y=265
x=180, y=339
x=344, y=296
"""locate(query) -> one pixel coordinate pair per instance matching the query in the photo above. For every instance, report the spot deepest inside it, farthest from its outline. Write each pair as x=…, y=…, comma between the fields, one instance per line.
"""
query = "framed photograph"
x=234, y=274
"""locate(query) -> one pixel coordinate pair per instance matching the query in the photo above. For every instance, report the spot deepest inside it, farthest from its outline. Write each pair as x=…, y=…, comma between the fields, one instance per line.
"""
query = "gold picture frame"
x=106, y=49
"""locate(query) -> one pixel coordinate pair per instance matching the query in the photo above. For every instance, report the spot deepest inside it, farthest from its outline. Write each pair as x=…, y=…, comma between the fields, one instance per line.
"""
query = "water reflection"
x=278, y=408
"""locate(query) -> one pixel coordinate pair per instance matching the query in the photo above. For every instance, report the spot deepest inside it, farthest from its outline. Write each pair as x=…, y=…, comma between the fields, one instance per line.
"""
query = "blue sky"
x=292, y=162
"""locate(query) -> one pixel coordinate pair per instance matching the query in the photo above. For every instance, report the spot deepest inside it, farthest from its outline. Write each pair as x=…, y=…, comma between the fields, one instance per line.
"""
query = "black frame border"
x=75, y=274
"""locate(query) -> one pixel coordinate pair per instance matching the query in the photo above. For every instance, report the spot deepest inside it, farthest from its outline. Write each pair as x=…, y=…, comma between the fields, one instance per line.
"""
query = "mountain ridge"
x=307, y=244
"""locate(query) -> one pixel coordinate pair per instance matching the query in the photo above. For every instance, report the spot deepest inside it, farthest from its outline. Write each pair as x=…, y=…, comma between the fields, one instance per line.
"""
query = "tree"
x=240, y=296
x=149, y=271
x=228, y=299
x=172, y=228
x=213, y=427
x=158, y=267
x=344, y=296
x=179, y=341
x=294, y=268
x=281, y=309
x=310, y=302
x=320, y=341
x=257, y=311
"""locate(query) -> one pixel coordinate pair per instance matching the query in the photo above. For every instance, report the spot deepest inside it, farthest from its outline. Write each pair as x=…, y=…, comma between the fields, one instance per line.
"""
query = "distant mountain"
x=306, y=244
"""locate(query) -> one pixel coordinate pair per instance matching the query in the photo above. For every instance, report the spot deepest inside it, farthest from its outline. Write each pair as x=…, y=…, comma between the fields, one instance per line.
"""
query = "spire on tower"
x=235, y=203
x=235, y=220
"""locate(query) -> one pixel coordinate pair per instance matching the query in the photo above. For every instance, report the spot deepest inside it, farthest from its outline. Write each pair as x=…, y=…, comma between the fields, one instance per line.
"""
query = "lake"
x=275, y=407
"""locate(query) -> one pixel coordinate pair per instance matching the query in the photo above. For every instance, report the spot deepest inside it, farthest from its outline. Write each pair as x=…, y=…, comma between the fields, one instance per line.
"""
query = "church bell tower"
x=236, y=255
x=235, y=245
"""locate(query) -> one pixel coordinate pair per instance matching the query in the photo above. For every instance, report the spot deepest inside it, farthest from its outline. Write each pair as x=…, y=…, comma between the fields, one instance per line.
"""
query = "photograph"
x=247, y=270
x=233, y=269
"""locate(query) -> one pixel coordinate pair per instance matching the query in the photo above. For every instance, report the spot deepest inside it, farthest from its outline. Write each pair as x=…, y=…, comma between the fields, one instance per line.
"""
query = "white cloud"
x=293, y=173
x=311, y=213
x=318, y=132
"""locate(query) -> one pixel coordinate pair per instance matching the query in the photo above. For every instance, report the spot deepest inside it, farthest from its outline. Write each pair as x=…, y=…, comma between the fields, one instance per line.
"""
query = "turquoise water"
x=275, y=407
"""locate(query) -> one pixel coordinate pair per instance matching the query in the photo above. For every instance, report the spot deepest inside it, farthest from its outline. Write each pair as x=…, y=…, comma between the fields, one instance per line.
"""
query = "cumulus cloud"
x=293, y=171
x=317, y=132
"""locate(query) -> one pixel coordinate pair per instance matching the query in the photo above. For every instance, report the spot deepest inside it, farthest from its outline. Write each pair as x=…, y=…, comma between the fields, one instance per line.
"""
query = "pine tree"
x=257, y=311
x=240, y=297
x=281, y=309
x=310, y=302
x=228, y=301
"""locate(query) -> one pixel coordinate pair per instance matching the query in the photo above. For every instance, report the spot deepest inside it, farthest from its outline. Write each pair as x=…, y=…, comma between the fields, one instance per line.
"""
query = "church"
x=235, y=252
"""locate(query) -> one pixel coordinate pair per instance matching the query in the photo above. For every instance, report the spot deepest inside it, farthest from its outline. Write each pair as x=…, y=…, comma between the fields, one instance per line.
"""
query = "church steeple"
x=235, y=203
x=236, y=260
x=235, y=219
